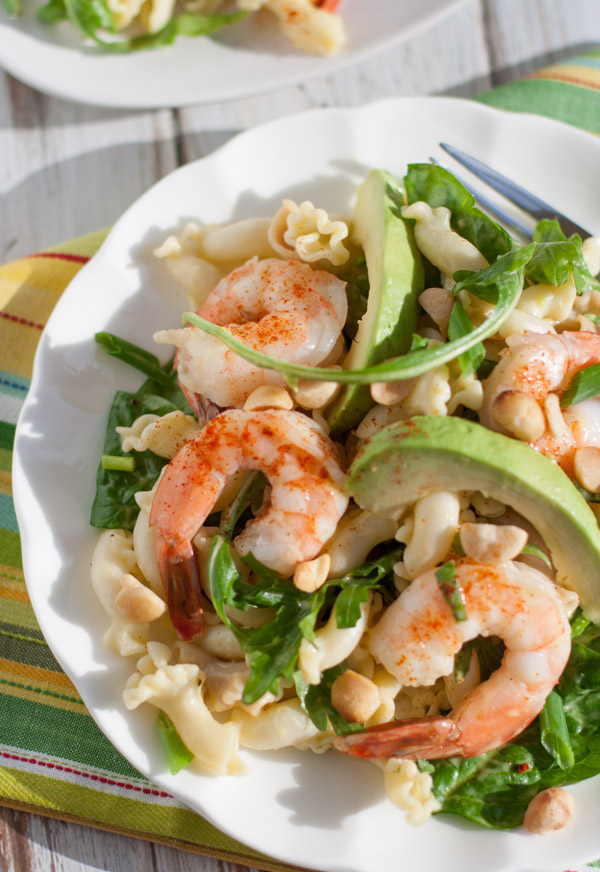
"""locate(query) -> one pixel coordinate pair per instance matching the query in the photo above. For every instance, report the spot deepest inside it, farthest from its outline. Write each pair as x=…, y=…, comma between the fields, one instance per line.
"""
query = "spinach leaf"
x=438, y=187
x=114, y=505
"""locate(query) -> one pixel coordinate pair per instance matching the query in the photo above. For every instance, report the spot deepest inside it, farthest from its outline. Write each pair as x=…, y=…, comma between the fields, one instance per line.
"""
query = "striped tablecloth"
x=53, y=758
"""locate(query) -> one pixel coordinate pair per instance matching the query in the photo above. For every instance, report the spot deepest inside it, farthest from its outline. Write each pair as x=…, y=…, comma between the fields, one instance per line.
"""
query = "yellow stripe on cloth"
x=588, y=77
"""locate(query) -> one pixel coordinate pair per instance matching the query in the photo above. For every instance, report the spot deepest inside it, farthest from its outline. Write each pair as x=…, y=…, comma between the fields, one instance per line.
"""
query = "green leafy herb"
x=584, y=384
x=177, y=754
x=114, y=503
x=557, y=258
x=438, y=187
x=554, y=733
x=494, y=789
x=272, y=649
x=460, y=325
x=450, y=589
x=118, y=463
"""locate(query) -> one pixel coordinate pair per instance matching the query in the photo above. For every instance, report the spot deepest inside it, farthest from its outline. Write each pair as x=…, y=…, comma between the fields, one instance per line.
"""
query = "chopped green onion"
x=177, y=754
x=118, y=463
x=585, y=384
x=554, y=732
x=450, y=590
x=537, y=552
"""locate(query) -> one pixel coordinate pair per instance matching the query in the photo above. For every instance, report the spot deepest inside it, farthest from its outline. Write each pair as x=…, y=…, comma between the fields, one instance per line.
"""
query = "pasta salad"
x=313, y=26
x=356, y=512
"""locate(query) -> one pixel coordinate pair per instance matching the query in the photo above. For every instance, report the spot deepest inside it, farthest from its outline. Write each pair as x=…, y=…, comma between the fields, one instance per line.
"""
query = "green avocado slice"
x=404, y=462
x=396, y=278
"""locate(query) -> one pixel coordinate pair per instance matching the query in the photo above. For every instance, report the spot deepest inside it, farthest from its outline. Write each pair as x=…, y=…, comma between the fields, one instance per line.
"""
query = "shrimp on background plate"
x=306, y=501
x=419, y=635
x=284, y=309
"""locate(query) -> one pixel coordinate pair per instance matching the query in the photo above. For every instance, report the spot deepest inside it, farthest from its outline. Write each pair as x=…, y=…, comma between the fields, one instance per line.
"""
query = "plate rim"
x=33, y=76
x=18, y=471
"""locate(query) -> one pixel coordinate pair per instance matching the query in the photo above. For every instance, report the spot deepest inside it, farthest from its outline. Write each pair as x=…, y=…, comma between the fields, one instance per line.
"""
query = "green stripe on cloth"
x=10, y=548
x=7, y=435
x=70, y=736
x=562, y=101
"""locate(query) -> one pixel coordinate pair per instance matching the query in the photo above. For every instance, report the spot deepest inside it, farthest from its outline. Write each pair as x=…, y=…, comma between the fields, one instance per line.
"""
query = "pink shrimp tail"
x=411, y=738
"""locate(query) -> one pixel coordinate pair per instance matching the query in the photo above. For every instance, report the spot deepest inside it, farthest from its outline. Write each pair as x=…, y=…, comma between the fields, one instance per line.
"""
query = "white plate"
x=326, y=812
x=248, y=58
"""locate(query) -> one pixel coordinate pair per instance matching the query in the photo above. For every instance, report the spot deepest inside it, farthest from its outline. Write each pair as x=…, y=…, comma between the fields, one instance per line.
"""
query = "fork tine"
x=531, y=204
x=511, y=222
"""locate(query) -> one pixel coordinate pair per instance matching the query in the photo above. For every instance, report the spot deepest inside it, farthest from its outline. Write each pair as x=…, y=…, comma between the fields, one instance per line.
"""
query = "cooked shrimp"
x=533, y=367
x=418, y=637
x=282, y=308
x=306, y=499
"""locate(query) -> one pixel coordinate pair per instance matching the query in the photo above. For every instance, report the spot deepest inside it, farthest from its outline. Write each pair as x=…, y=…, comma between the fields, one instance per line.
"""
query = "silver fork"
x=526, y=201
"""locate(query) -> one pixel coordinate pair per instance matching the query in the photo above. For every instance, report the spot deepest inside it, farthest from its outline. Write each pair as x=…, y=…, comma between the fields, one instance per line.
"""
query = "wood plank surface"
x=68, y=169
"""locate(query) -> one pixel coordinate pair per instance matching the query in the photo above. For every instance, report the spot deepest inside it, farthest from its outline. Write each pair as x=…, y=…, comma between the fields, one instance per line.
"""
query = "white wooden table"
x=67, y=169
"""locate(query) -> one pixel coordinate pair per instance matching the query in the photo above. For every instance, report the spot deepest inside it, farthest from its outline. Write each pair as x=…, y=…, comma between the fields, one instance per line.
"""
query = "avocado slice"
x=396, y=278
x=404, y=462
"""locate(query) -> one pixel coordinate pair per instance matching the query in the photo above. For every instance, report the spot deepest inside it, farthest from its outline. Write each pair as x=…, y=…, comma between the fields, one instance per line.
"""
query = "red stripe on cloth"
x=24, y=321
x=60, y=255
x=100, y=778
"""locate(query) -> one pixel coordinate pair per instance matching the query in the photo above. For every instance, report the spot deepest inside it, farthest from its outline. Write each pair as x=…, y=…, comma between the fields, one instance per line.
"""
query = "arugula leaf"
x=176, y=752
x=584, y=385
x=272, y=649
x=460, y=325
x=114, y=505
x=438, y=187
x=558, y=257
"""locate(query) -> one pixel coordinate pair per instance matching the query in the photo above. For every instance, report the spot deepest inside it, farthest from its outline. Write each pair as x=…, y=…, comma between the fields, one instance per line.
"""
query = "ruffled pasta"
x=309, y=234
x=282, y=725
x=410, y=790
x=177, y=689
x=114, y=557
